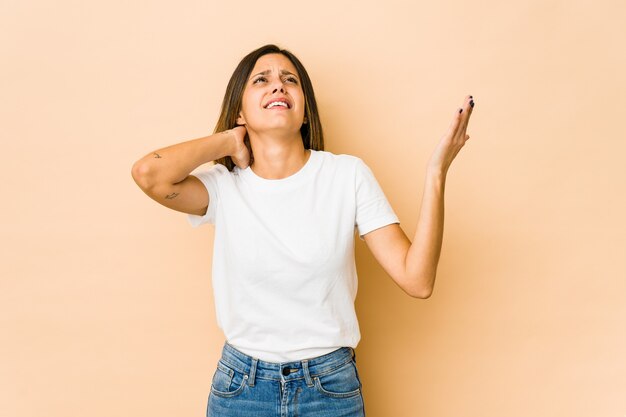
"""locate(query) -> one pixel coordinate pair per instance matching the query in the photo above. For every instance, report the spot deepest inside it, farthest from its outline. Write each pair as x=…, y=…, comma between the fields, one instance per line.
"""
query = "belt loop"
x=252, y=372
x=353, y=354
x=307, y=375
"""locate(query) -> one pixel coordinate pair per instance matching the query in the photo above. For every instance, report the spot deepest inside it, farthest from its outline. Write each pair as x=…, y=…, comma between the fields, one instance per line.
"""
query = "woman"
x=285, y=213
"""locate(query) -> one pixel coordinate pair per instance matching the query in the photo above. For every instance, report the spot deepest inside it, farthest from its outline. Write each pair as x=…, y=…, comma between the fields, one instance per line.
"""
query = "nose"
x=280, y=86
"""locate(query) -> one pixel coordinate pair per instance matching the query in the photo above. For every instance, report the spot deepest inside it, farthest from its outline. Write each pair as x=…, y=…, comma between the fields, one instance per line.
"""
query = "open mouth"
x=277, y=104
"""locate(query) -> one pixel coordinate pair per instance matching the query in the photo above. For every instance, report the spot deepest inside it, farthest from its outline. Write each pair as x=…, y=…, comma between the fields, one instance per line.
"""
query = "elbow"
x=422, y=293
x=421, y=288
x=142, y=174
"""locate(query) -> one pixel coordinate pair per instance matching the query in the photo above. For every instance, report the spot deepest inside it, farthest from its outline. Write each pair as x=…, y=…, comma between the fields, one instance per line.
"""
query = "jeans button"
x=286, y=371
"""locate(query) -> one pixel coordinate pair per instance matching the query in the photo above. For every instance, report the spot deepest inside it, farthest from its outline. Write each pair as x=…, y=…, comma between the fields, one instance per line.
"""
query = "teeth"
x=277, y=103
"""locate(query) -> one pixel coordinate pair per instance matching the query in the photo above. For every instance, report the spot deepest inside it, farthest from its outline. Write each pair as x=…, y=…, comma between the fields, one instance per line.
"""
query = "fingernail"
x=460, y=110
x=472, y=103
x=471, y=97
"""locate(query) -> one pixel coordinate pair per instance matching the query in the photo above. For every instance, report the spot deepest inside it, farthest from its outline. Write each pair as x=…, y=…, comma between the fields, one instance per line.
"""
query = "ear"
x=241, y=120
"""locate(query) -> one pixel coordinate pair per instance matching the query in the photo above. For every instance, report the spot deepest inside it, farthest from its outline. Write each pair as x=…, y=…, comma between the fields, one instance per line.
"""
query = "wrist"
x=435, y=181
x=226, y=143
x=236, y=140
x=436, y=172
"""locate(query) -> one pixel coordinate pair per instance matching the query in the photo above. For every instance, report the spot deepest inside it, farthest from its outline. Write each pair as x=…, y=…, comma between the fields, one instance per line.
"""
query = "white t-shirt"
x=284, y=277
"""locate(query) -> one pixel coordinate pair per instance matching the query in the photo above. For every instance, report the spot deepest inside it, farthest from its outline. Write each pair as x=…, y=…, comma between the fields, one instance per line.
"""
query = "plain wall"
x=106, y=306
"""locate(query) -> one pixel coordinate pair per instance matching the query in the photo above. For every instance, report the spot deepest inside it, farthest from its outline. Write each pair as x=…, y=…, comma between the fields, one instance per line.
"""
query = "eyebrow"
x=283, y=72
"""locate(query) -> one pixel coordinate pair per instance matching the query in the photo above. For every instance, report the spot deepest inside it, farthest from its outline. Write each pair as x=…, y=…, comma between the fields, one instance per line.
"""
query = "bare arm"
x=413, y=266
x=164, y=174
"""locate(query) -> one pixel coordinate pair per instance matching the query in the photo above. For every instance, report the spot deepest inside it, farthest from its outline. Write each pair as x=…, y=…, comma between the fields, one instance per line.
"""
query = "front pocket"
x=227, y=382
x=343, y=382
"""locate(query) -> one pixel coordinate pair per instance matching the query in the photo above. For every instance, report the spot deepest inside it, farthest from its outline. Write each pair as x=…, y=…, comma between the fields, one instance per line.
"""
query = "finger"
x=458, y=125
x=455, y=123
x=467, y=109
x=467, y=112
x=466, y=106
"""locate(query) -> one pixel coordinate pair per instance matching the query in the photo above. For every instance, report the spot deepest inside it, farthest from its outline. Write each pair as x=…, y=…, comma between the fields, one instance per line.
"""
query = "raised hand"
x=454, y=139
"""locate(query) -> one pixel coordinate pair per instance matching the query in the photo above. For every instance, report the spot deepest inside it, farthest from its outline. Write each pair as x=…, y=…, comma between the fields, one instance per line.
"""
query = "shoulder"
x=215, y=170
x=340, y=161
x=213, y=173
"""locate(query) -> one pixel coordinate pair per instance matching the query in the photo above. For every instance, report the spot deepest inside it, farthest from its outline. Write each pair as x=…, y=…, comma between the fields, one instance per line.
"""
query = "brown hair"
x=312, y=135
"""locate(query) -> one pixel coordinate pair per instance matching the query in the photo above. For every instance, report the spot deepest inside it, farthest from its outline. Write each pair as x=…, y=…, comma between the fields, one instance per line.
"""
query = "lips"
x=283, y=99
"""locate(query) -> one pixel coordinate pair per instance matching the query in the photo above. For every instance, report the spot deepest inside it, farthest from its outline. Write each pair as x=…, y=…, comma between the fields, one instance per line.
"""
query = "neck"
x=277, y=157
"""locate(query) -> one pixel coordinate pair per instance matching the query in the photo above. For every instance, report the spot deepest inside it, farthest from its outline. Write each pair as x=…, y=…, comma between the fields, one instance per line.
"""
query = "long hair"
x=311, y=132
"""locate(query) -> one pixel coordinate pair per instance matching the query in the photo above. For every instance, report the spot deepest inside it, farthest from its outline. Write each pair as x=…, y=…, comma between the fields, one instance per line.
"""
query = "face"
x=273, y=77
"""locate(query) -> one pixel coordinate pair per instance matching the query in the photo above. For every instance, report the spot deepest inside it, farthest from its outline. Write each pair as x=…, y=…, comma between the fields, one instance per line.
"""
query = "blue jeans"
x=324, y=386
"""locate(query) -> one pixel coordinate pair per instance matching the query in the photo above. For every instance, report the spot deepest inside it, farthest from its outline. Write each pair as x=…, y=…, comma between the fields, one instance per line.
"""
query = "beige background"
x=106, y=306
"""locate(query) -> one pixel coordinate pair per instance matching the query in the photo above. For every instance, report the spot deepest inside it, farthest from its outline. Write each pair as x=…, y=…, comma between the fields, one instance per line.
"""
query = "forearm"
x=173, y=164
x=413, y=264
x=423, y=254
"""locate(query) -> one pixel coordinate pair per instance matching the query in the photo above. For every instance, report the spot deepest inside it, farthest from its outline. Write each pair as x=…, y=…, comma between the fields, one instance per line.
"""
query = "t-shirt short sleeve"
x=210, y=178
x=373, y=211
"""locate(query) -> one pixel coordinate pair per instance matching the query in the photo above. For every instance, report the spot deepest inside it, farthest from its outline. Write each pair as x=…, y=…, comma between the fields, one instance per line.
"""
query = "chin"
x=276, y=127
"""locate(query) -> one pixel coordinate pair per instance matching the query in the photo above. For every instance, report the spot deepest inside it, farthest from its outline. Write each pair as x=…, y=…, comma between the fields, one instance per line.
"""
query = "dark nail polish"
x=471, y=97
x=460, y=110
x=472, y=103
